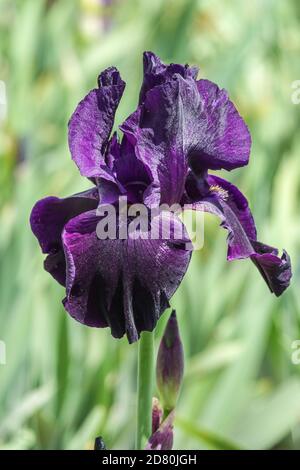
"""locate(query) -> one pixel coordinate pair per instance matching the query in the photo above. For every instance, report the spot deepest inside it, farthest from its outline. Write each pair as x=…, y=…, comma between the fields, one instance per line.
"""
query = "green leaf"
x=211, y=439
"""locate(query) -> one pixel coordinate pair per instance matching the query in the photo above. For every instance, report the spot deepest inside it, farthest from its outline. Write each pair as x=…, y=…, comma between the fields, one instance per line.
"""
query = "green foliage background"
x=63, y=383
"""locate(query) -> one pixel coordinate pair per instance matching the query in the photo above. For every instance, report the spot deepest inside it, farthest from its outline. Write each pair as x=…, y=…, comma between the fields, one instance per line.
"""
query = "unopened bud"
x=170, y=364
x=99, y=444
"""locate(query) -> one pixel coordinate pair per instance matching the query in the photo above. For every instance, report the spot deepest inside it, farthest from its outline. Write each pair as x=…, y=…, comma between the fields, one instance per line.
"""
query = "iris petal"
x=162, y=438
x=125, y=284
x=48, y=218
x=91, y=124
x=275, y=270
x=129, y=176
x=231, y=206
x=157, y=131
x=157, y=73
x=220, y=137
x=183, y=123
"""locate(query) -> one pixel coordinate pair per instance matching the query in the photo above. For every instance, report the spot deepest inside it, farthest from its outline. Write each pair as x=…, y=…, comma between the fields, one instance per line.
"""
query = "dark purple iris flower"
x=182, y=128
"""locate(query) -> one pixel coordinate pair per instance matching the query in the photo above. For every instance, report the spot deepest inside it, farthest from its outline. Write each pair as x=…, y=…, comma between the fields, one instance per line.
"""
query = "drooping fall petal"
x=231, y=206
x=122, y=283
x=48, y=218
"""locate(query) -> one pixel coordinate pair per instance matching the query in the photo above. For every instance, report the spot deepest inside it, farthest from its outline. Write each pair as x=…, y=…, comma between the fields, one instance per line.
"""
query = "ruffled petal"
x=132, y=174
x=121, y=283
x=237, y=216
x=231, y=206
x=157, y=73
x=48, y=217
x=220, y=137
x=183, y=123
x=130, y=177
x=276, y=271
x=91, y=124
x=157, y=130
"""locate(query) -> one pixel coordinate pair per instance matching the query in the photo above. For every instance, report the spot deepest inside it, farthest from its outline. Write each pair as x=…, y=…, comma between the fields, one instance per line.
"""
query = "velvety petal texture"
x=128, y=176
x=122, y=283
x=231, y=206
x=48, y=218
x=130, y=172
x=91, y=124
x=186, y=124
x=276, y=271
x=157, y=73
x=156, y=131
x=219, y=137
x=181, y=129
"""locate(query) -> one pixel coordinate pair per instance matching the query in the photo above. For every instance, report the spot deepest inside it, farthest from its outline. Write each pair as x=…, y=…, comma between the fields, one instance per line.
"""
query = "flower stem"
x=144, y=389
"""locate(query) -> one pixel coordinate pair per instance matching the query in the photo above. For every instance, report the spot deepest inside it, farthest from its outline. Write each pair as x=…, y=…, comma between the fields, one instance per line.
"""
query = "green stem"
x=144, y=389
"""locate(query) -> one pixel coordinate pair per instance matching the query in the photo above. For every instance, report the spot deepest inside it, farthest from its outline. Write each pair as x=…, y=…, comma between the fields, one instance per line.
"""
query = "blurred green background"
x=63, y=383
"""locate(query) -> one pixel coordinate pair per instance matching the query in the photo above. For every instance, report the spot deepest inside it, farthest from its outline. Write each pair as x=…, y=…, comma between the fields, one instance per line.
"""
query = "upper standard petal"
x=157, y=73
x=91, y=124
x=186, y=124
x=220, y=138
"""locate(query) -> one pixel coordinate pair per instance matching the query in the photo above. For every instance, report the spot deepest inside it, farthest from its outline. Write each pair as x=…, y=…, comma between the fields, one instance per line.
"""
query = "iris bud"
x=170, y=364
x=99, y=444
x=162, y=439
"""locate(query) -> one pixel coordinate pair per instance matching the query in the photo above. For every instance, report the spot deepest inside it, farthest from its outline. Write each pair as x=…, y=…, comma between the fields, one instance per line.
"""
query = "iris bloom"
x=181, y=129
